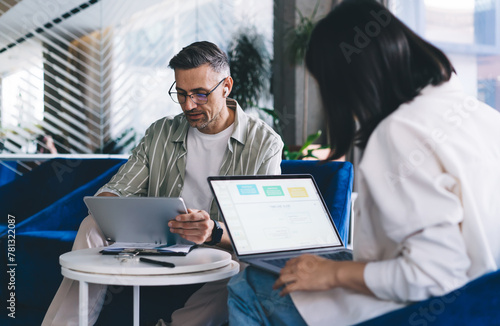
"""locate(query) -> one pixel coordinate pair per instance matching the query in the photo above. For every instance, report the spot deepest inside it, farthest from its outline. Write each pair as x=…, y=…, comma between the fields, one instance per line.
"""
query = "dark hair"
x=367, y=63
x=198, y=54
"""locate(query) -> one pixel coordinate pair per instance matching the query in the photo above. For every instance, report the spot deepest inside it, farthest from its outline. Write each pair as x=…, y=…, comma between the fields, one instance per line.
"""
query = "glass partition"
x=90, y=76
x=468, y=31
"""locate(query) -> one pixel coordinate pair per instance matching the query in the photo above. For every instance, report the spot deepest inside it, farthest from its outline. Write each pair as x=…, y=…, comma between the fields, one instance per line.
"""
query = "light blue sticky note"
x=246, y=190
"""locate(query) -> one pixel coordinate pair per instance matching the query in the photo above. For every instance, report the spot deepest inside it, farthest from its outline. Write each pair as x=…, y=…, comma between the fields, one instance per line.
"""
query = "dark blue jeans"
x=252, y=301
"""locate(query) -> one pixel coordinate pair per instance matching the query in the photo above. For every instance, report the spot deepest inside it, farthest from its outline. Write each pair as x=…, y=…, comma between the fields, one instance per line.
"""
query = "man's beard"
x=203, y=123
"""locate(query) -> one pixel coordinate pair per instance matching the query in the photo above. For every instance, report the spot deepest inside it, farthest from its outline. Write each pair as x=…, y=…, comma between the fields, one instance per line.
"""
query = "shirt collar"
x=181, y=132
x=240, y=121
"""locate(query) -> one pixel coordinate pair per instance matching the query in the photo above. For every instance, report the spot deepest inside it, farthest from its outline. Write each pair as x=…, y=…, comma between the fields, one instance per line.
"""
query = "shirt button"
x=179, y=185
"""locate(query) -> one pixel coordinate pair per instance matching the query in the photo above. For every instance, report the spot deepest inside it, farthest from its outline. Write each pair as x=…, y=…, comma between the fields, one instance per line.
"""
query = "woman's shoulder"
x=444, y=106
x=442, y=116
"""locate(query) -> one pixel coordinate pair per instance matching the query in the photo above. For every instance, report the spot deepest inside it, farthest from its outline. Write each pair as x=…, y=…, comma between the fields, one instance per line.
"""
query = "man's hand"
x=195, y=226
x=107, y=194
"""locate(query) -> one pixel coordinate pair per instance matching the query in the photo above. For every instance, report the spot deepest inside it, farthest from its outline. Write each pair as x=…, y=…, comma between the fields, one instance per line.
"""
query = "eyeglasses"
x=196, y=98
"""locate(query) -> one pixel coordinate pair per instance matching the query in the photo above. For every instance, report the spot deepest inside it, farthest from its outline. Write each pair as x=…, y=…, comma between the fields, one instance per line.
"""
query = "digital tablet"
x=137, y=219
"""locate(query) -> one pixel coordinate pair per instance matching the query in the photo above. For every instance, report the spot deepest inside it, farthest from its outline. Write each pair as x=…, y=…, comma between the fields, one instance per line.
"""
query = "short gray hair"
x=200, y=53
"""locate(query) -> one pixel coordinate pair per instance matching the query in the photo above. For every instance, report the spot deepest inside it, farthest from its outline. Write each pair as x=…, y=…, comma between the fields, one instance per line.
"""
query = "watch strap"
x=216, y=234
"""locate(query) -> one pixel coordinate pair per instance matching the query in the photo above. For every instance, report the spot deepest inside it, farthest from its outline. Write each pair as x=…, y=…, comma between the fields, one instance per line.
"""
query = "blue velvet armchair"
x=334, y=180
x=47, y=206
x=477, y=303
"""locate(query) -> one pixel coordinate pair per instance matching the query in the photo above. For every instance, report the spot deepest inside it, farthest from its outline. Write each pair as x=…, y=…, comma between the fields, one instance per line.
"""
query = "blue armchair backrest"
x=7, y=173
x=69, y=211
x=49, y=182
x=334, y=180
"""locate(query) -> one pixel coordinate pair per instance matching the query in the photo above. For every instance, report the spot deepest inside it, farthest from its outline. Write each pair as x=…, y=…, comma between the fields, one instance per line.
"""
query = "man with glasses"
x=212, y=136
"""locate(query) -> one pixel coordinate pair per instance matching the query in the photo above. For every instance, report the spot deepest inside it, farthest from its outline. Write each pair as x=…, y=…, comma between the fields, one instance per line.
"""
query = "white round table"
x=89, y=266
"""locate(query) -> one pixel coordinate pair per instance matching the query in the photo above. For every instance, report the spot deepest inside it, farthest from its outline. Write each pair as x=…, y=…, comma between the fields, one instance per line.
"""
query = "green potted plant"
x=250, y=68
x=250, y=63
x=299, y=154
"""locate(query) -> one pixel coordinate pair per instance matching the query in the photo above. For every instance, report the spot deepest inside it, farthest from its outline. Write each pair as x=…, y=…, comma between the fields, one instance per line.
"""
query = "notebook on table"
x=271, y=219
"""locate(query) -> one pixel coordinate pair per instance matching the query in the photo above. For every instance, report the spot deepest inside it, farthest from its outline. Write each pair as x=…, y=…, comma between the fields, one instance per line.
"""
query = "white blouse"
x=428, y=211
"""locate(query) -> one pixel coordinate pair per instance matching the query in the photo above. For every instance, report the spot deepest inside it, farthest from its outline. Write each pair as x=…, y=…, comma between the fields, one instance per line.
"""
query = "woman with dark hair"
x=428, y=204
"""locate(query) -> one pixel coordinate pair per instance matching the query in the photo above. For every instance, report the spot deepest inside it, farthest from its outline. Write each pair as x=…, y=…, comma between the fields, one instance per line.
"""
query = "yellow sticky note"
x=297, y=192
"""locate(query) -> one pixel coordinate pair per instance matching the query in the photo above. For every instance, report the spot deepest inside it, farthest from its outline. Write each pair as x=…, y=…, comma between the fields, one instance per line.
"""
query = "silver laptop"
x=271, y=219
x=137, y=219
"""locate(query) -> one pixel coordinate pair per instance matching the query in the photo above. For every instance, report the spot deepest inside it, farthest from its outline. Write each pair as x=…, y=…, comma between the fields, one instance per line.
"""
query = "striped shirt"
x=157, y=166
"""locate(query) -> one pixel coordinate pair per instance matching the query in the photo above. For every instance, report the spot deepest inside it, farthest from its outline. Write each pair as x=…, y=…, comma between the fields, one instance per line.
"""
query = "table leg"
x=83, y=313
x=136, y=305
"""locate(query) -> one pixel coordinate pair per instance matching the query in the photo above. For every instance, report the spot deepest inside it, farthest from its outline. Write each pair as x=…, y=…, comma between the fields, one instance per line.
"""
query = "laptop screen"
x=274, y=213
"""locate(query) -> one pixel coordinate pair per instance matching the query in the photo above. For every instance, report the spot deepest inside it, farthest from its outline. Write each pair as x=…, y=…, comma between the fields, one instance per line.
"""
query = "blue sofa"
x=46, y=228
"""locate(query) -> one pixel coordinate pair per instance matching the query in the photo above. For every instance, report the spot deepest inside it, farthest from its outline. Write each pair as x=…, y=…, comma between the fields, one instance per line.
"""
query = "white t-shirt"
x=203, y=159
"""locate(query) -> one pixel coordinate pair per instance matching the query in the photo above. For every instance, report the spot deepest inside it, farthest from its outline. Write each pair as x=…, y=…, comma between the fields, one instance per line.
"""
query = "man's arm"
x=271, y=165
x=132, y=178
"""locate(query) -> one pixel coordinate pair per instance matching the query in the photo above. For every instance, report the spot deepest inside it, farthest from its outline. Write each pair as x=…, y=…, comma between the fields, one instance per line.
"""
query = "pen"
x=156, y=262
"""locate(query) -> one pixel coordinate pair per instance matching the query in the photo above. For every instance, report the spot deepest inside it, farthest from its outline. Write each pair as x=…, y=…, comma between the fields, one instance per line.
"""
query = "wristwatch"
x=216, y=234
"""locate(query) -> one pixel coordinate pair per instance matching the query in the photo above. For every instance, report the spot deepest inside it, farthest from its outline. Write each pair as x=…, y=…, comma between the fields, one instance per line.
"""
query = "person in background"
x=428, y=207
x=213, y=136
x=45, y=145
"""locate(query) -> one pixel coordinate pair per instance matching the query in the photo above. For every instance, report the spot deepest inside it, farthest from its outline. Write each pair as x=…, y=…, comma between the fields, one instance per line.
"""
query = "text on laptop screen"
x=274, y=214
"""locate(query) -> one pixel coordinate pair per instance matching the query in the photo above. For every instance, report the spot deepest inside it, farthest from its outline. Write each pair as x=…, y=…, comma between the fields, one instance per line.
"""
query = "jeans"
x=252, y=301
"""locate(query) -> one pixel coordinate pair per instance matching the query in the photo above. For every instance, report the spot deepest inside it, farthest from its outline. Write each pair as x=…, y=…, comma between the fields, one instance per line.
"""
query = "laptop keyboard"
x=338, y=255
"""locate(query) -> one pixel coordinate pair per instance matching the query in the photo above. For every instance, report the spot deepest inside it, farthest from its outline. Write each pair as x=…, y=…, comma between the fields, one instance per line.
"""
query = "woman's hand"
x=307, y=273
x=314, y=273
